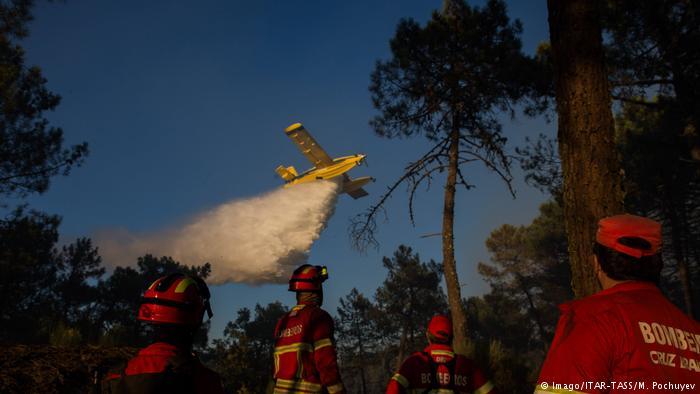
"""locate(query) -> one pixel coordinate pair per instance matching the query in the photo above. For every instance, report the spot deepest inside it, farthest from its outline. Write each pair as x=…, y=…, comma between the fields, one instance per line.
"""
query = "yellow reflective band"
x=309, y=386
x=335, y=388
x=294, y=347
x=399, y=378
x=321, y=343
x=183, y=285
x=297, y=385
x=152, y=284
x=442, y=353
x=279, y=390
x=488, y=386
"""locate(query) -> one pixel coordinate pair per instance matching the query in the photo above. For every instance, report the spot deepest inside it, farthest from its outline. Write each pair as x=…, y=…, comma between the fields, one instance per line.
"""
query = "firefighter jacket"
x=625, y=338
x=162, y=368
x=305, y=357
x=437, y=369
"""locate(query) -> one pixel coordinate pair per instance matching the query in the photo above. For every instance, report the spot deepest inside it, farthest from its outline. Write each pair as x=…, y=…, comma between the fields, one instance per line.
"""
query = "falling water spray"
x=254, y=240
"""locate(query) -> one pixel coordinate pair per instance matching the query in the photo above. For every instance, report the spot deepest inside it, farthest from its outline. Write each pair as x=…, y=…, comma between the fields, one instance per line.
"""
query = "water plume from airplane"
x=253, y=240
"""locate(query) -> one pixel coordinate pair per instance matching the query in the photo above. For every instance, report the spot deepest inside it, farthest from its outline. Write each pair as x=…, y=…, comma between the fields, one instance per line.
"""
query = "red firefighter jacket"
x=305, y=357
x=628, y=337
x=437, y=369
x=162, y=368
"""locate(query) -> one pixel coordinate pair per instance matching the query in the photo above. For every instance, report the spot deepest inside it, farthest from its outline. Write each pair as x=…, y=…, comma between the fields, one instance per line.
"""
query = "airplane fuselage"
x=340, y=166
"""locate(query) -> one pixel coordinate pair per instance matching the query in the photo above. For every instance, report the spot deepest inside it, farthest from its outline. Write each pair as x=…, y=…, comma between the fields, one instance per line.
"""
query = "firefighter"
x=305, y=357
x=437, y=369
x=628, y=336
x=174, y=306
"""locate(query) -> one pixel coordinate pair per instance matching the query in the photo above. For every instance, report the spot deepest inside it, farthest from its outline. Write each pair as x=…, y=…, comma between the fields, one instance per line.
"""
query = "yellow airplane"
x=324, y=166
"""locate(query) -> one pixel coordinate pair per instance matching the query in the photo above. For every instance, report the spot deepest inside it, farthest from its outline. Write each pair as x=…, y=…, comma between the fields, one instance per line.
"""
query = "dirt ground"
x=49, y=369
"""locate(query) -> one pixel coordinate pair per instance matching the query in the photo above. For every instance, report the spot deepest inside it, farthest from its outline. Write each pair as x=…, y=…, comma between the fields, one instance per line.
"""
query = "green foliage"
x=654, y=49
x=663, y=182
x=31, y=151
x=43, y=291
x=26, y=250
x=656, y=45
x=358, y=339
x=78, y=264
x=460, y=68
x=508, y=374
x=408, y=298
x=374, y=337
x=120, y=295
x=539, y=160
x=513, y=324
x=244, y=356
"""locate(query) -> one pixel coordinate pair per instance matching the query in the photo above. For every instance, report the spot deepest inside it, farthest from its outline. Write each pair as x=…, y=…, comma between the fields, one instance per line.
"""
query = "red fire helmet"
x=175, y=299
x=308, y=278
x=440, y=327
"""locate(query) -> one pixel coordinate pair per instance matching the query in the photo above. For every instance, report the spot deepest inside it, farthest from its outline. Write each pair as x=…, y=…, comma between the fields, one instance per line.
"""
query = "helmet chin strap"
x=207, y=306
x=206, y=295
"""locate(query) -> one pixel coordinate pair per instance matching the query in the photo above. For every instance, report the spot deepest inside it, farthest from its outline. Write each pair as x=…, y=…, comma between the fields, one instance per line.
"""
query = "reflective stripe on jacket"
x=439, y=370
x=304, y=356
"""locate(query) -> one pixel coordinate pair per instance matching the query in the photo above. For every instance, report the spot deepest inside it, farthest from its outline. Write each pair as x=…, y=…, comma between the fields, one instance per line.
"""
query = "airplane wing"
x=354, y=193
x=358, y=193
x=308, y=146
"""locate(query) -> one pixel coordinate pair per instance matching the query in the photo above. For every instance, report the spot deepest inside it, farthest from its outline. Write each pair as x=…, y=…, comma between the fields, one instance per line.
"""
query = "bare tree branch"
x=637, y=102
x=647, y=82
x=42, y=171
x=363, y=226
x=506, y=176
x=463, y=181
x=414, y=185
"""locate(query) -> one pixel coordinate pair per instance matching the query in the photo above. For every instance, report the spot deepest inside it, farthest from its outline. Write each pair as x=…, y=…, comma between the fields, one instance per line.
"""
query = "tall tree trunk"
x=454, y=294
x=363, y=381
x=534, y=312
x=592, y=173
x=362, y=355
x=402, y=346
x=678, y=226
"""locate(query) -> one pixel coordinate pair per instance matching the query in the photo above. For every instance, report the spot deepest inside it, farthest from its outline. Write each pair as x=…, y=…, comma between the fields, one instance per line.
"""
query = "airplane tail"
x=286, y=173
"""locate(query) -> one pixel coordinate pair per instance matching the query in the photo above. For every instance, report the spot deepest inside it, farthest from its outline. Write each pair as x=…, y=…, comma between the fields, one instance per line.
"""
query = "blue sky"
x=184, y=105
